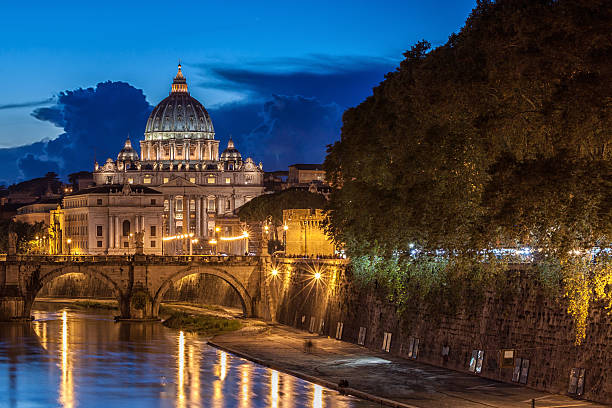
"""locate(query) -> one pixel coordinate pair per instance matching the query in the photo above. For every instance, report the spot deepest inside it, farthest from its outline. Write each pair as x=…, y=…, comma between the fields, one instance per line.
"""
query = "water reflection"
x=274, y=389
x=66, y=391
x=181, y=371
x=73, y=358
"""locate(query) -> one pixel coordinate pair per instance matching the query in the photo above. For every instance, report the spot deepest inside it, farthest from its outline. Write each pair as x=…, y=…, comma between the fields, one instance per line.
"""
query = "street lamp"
x=285, y=228
x=68, y=242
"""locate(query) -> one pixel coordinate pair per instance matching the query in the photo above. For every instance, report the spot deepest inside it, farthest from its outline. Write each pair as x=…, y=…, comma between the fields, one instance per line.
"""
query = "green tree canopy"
x=501, y=136
x=272, y=205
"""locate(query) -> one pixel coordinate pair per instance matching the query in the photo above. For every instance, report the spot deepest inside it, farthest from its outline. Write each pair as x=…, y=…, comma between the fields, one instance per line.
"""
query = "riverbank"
x=376, y=376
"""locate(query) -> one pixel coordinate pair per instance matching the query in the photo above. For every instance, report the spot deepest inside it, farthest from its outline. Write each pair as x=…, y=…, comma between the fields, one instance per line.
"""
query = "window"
x=166, y=205
x=192, y=206
x=109, y=179
x=210, y=180
x=228, y=205
x=179, y=204
x=99, y=243
x=192, y=180
x=153, y=230
x=165, y=180
x=98, y=230
x=152, y=244
x=230, y=166
x=130, y=180
x=228, y=180
x=126, y=228
x=99, y=201
x=147, y=180
x=211, y=204
x=126, y=244
x=153, y=202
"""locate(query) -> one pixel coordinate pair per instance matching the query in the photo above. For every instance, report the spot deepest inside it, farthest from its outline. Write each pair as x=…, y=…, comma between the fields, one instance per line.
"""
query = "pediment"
x=179, y=182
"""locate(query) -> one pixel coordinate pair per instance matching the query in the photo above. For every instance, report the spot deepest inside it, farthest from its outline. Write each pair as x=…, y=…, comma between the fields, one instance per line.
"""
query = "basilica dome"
x=231, y=153
x=127, y=153
x=179, y=116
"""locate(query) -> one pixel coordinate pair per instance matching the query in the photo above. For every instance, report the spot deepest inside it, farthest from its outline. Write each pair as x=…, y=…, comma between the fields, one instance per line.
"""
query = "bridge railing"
x=153, y=259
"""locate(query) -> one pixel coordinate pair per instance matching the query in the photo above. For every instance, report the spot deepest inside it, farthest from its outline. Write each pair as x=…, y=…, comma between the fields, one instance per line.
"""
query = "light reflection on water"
x=75, y=358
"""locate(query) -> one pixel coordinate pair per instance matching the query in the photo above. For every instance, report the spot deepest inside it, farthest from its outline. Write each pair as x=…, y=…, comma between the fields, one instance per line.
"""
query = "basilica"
x=179, y=160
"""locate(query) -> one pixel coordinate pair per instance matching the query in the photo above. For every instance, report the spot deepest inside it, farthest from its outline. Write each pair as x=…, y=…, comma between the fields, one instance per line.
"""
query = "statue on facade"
x=139, y=242
x=12, y=243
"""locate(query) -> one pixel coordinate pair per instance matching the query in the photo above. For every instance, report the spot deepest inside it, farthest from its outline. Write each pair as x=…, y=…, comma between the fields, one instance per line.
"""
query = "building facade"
x=180, y=158
x=111, y=219
x=304, y=234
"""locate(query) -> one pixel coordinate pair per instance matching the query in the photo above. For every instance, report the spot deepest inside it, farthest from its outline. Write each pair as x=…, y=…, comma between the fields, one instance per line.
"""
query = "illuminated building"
x=179, y=157
x=305, y=234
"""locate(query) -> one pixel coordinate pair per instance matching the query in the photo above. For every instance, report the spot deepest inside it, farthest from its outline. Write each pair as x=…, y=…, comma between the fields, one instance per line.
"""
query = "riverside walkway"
x=378, y=376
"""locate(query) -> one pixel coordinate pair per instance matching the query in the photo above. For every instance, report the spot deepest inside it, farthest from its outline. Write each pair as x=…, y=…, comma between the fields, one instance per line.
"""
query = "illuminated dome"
x=231, y=153
x=127, y=153
x=179, y=116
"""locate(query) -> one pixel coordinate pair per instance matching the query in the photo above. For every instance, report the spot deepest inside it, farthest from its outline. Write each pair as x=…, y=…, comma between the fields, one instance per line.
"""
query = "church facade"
x=179, y=157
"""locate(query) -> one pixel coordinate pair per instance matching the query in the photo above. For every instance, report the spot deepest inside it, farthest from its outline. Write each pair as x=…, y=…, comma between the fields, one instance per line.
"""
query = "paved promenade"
x=378, y=376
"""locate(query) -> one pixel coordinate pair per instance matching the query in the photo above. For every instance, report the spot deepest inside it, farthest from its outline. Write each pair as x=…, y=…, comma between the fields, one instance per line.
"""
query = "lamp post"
x=68, y=242
x=285, y=228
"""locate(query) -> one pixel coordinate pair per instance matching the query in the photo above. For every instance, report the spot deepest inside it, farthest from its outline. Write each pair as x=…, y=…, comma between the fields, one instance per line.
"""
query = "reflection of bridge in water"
x=138, y=282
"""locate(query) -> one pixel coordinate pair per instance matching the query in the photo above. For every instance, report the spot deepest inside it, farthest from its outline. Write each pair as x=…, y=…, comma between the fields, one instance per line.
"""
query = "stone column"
x=198, y=217
x=136, y=222
x=186, y=148
x=199, y=150
x=110, y=231
x=171, y=216
x=186, y=213
x=142, y=225
x=205, y=218
x=159, y=150
x=117, y=233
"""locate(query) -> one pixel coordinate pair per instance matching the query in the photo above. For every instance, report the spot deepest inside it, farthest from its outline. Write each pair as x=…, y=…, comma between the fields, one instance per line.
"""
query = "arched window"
x=126, y=228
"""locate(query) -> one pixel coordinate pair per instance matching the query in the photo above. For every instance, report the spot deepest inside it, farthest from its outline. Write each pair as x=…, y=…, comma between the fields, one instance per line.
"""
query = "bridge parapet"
x=138, y=281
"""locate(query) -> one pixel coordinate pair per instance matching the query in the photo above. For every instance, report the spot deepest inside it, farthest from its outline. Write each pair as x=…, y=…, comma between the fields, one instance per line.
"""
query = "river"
x=70, y=357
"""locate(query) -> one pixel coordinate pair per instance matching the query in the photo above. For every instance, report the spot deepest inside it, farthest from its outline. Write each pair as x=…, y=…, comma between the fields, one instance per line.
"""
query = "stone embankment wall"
x=202, y=289
x=535, y=327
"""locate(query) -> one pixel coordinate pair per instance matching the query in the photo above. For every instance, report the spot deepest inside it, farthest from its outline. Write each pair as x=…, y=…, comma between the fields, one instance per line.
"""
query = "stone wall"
x=529, y=322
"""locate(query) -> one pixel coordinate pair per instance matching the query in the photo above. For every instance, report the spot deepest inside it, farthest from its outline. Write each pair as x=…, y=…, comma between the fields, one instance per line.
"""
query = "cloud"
x=27, y=104
x=290, y=129
x=345, y=81
x=293, y=107
x=96, y=122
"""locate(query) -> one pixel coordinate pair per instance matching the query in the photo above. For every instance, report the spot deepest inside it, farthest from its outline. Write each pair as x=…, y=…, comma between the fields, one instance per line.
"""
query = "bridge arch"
x=33, y=288
x=245, y=299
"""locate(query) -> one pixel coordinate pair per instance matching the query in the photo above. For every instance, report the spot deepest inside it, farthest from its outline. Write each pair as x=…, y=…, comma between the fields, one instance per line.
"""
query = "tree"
x=272, y=205
x=501, y=137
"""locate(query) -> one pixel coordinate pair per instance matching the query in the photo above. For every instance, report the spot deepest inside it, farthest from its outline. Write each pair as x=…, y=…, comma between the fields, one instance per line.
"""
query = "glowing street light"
x=317, y=275
x=274, y=272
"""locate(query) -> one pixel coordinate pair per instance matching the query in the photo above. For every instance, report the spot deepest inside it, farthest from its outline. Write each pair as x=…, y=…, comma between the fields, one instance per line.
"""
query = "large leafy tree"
x=271, y=206
x=502, y=136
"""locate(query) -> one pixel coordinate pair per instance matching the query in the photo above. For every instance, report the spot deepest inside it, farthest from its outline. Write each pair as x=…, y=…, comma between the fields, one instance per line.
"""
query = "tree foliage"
x=272, y=205
x=502, y=137
x=26, y=234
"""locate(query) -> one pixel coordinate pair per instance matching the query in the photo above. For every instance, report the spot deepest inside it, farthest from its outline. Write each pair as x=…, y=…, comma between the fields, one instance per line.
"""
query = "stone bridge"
x=138, y=282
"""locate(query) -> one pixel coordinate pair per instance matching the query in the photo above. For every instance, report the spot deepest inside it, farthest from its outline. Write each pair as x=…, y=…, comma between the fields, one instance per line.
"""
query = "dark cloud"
x=26, y=104
x=294, y=105
x=290, y=129
x=32, y=167
x=345, y=81
x=96, y=122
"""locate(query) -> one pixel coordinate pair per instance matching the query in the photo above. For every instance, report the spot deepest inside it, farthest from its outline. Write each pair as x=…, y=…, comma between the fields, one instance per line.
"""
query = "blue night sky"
x=276, y=75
